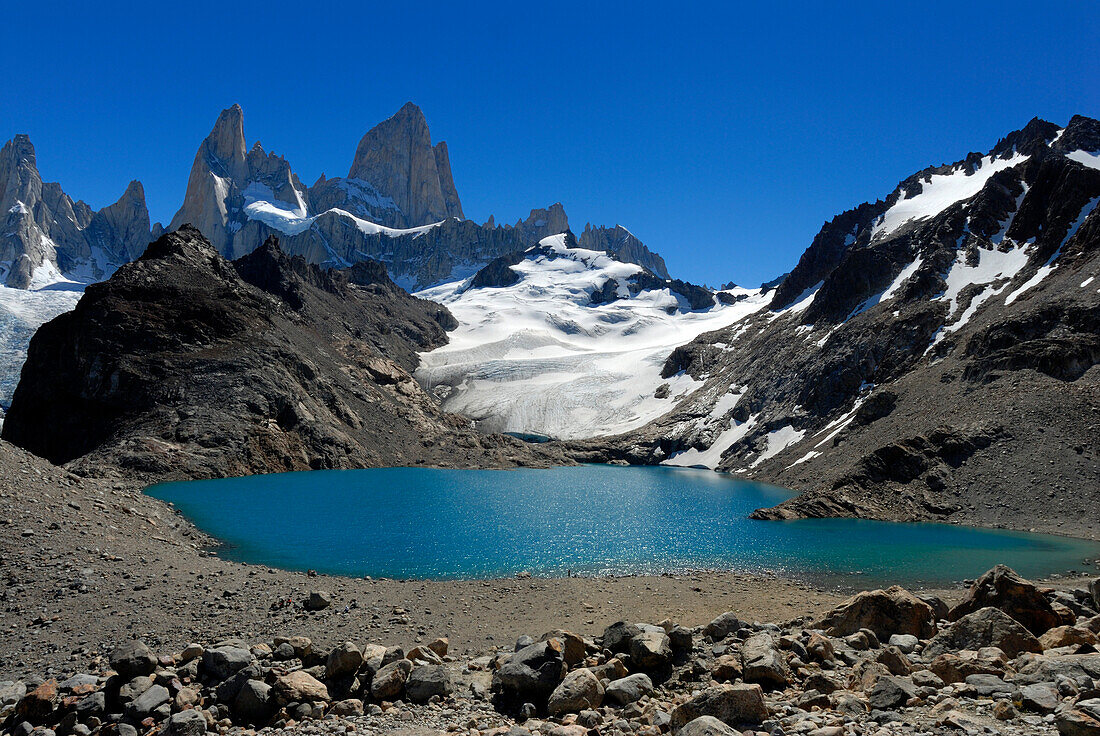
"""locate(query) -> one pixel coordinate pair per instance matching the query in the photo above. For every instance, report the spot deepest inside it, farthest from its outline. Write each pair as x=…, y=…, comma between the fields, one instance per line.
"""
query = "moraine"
x=432, y=523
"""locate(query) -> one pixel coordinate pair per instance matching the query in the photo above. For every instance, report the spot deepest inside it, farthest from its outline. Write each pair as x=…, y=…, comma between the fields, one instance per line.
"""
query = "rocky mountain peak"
x=225, y=144
x=397, y=158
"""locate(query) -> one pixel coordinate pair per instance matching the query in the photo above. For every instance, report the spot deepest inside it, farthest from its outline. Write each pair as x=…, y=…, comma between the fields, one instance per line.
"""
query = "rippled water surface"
x=428, y=523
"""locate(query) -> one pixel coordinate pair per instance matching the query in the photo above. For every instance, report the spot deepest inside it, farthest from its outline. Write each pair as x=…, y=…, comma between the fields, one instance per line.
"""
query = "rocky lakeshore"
x=1009, y=658
x=118, y=620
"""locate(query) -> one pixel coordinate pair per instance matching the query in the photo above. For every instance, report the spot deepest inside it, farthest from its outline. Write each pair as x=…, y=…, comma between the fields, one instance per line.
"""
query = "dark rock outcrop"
x=186, y=365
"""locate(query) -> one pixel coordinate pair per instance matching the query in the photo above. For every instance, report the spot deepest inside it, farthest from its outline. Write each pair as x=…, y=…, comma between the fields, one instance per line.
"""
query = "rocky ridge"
x=928, y=359
x=48, y=237
x=186, y=365
x=398, y=205
x=1010, y=658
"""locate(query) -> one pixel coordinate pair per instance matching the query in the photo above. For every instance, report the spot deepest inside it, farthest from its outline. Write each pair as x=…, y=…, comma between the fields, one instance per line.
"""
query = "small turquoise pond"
x=429, y=523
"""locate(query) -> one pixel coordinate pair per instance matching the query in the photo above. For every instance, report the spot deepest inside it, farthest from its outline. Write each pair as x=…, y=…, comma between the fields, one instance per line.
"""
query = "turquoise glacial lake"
x=430, y=523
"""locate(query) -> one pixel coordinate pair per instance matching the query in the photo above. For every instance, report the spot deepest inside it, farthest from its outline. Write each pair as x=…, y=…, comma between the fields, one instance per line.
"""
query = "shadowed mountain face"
x=932, y=356
x=184, y=364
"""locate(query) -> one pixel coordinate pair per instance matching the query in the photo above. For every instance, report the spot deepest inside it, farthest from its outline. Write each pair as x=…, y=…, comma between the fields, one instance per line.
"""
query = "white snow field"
x=538, y=357
x=940, y=191
x=21, y=313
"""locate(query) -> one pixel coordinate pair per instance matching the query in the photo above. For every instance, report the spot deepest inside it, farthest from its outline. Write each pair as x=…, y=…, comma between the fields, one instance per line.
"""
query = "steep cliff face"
x=48, y=237
x=934, y=355
x=184, y=364
x=396, y=156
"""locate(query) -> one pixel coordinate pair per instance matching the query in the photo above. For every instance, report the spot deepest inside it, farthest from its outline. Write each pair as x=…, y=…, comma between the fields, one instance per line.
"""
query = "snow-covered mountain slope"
x=569, y=342
x=933, y=355
x=22, y=311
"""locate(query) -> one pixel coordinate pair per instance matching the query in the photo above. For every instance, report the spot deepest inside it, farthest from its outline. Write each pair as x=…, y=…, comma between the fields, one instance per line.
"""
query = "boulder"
x=906, y=643
x=680, y=637
x=618, y=635
x=580, y=690
x=221, y=662
x=423, y=655
x=427, y=681
x=727, y=668
x=1072, y=722
x=300, y=687
x=650, y=650
x=533, y=671
x=1003, y=589
x=986, y=627
x=885, y=612
x=707, y=726
x=820, y=648
x=763, y=663
x=734, y=705
x=722, y=626
x=228, y=689
x=574, y=649
x=345, y=659
x=318, y=600
x=11, y=692
x=389, y=682
x=347, y=708
x=1040, y=697
x=629, y=689
x=143, y=705
x=36, y=705
x=133, y=659
x=895, y=661
x=440, y=645
x=254, y=703
x=1094, y=591
x=184, y=723
x=891, y=692
x=953, y=668
x=987, y=685
x=1067, y=636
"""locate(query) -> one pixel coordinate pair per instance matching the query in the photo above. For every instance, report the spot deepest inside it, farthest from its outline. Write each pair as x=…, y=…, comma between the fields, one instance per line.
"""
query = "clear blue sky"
x=723, y=136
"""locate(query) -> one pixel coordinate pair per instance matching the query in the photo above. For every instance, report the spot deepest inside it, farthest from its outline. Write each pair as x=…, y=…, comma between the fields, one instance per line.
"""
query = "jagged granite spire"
x=47, y=236
x=397, y=158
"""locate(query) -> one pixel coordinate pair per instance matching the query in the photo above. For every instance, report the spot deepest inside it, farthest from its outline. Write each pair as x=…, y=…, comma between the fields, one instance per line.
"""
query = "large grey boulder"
x=343, y=660
x=133, y=659
x=891, y=692
x=722, y=626
x=185, y=723
x=986, y=627
x=143, y=705
x=763, y=663
x=629, y=689
x=427, y=681
x=707, y=726
x=735, y=705
x=650, y=650
x=580, y=690
x=221, y=662
x=255, y=702
x=534, y=670
x=617, y=636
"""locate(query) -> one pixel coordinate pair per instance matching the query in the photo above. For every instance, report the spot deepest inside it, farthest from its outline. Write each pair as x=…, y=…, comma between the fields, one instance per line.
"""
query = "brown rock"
x=37, y=705
x=1003, y=589
x=734, y=705
x=1067, y=636
x=300, y=687
x=986, y=627
x=885, y=612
